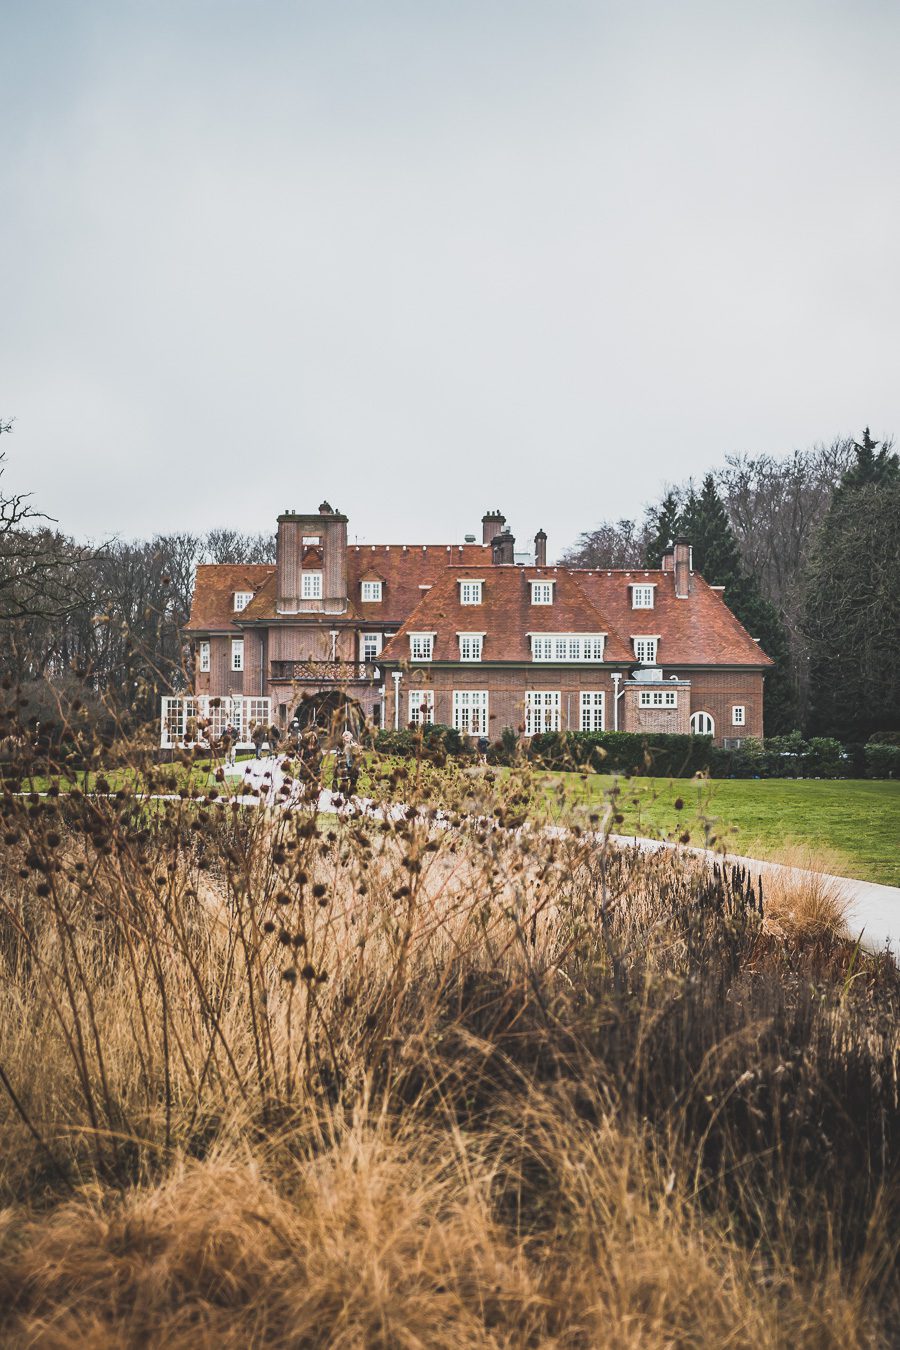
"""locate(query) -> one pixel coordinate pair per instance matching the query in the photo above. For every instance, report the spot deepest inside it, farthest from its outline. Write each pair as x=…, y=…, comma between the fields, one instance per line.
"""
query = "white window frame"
x=697, y=727
x=310, y=585
x=592, y=710
x=643, y=596
x=242, y=600
x=542, y=592
x=237, y=653
x=658, y=698
x=421, y=707
x=648, y=644
x=470, y=591
x=580, y=647
x=739, y=715
x=542, y=710
x=470, y=711
x=470, y=646
x=204, y=657
x=370, y=645
x=421, y=646
x=371, y=592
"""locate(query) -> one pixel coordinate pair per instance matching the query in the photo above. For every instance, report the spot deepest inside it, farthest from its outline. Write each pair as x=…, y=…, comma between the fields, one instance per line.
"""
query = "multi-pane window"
x=470, y=646
x=541, y=711
x=645, y=650
x=542, y=592
x=421, y=646
x=567, y=646
x=592, y=709
x=371, y=591
x=659, y=698
x=470, y=592
x=470, y=711
x=421, y=707
x=738, y=715
x=311, y=586
x=242, y=600
x=702, y=724
x=204, y=656
x=237, y=653
x=642, y=597
x=371, y=646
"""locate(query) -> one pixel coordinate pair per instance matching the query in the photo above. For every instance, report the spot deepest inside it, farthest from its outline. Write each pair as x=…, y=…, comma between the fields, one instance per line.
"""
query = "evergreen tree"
x=663, y=521
x=851, y=601
x=878, y=470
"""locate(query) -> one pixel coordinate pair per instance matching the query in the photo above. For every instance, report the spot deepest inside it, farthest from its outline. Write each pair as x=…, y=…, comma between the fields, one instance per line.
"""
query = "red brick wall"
x=506, y=692
x=717, y=691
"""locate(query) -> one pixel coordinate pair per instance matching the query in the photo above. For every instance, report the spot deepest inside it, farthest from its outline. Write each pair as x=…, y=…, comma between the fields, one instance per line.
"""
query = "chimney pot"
x=540, y=549
x=503, y=548
x=492, y=523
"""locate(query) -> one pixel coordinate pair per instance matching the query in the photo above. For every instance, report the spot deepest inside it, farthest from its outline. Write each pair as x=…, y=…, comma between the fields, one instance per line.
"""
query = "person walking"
x=346, y=767
x=229, y=744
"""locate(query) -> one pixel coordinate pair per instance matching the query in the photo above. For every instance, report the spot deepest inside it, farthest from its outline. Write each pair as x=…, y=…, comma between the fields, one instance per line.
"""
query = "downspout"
x=396, y=676
x=616, y=677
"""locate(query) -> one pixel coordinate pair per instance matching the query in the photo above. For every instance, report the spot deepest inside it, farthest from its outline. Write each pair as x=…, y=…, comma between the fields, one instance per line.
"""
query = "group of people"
x=305, y=752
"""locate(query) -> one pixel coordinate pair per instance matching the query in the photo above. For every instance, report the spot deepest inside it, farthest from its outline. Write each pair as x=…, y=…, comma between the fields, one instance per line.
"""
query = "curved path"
x=873, y=910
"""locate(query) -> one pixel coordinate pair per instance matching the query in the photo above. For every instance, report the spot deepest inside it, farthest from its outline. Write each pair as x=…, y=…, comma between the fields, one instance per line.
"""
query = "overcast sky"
x=426, y=258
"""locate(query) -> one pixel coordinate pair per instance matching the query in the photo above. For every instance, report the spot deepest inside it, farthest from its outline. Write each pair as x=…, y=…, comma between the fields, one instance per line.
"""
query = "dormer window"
x=542, y=592
x=642, y=597
x=470, y=646
x=470, y=592
x=242, y=600
x=311, y=586
x=645, y=650
x=371, y=592
x=421, y=646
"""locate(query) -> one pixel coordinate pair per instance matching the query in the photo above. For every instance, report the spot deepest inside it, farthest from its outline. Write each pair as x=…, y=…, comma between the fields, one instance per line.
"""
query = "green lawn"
x=851, y=827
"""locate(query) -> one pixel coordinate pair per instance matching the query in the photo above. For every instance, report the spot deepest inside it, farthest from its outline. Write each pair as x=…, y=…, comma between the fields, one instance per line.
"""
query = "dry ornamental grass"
x=270, y=1078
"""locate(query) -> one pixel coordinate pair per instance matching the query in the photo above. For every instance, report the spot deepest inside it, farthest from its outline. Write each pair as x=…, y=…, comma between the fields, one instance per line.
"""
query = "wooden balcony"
x=323, y=672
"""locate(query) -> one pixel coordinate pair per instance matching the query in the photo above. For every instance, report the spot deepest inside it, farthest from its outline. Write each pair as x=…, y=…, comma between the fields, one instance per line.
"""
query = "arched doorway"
x=702, y=724
x=331, y=711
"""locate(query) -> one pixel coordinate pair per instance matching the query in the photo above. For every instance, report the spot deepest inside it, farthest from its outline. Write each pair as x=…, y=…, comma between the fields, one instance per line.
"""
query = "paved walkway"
x=873, y=910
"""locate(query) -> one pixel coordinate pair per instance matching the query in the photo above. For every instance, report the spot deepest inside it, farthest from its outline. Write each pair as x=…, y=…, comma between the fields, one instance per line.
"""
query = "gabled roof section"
x=697, y=631
x=506, y=615
x=212, y=605
x=405, y=569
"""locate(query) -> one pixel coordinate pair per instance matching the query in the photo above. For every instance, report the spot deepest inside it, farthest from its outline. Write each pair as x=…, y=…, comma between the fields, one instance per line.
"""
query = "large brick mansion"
x=474, y=635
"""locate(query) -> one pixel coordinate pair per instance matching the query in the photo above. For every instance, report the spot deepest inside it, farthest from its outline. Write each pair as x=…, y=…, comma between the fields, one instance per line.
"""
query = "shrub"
x=883, y=761
x=884, y=738
x=432, y=742
x=662, y=754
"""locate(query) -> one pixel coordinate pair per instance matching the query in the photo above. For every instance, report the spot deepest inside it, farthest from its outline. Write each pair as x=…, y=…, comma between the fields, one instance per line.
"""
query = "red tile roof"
x=506, y=615
x=698, y=631
x=212, y=605
x=421, y=593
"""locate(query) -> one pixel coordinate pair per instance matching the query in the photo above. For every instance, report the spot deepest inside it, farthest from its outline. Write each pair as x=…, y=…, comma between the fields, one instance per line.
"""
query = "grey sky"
x=430, y=257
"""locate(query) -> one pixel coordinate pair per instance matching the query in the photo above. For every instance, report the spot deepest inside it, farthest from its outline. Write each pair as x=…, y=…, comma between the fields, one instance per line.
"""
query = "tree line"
x=808, y=550
x=101, y=625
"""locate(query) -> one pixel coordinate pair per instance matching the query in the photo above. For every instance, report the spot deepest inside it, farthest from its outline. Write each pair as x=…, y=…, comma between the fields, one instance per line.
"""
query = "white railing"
x=198, y=719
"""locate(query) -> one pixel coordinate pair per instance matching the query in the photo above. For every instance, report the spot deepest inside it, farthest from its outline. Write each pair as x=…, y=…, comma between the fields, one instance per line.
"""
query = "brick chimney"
x=683, y=583
x=540, y=549
x=503, y=547
x=492, y=523
x=668, y=560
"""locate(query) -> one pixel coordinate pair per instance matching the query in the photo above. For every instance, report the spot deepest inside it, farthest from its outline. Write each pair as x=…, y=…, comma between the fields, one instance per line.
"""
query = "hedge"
x=432, y=742
x=664, y=754
x=883, y=761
